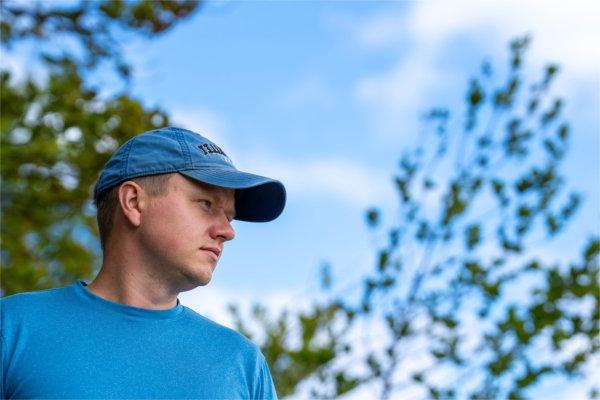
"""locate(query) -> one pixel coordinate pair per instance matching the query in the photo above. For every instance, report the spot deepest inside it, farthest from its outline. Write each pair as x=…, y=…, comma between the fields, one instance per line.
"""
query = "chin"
x=204, y=281
x=193, y=279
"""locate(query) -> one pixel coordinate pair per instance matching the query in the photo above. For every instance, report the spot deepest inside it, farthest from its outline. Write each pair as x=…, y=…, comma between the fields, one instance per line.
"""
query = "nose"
x=222, y=228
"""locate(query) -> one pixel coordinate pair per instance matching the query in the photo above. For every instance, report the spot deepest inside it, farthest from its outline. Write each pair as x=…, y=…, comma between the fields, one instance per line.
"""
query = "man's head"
x=174, y=194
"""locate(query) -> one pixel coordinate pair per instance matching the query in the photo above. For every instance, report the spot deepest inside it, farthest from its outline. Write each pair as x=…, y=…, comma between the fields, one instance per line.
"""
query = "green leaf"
x=372, y=217
x=473, y=236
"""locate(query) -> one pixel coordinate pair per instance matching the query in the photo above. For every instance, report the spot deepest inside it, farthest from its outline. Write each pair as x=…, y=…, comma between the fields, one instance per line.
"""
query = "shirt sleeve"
x=265, y=389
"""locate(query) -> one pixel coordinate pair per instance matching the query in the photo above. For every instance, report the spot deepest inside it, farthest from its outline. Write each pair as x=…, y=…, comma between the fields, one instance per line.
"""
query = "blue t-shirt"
x=69, y=343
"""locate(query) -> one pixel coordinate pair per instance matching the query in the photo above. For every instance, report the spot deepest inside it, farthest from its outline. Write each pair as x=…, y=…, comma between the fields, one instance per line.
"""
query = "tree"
x=56, y=135
x=477, y=197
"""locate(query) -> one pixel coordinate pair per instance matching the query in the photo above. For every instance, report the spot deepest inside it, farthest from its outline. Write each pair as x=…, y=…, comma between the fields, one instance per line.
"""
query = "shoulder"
x=29, y=299
x=221, y=334
x=31, y=304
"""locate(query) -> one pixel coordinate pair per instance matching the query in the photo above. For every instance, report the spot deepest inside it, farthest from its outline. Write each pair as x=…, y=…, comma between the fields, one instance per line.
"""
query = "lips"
x=215, y=251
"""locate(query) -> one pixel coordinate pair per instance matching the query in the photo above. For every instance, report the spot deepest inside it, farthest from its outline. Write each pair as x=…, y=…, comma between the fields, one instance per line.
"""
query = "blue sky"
x=326, y=95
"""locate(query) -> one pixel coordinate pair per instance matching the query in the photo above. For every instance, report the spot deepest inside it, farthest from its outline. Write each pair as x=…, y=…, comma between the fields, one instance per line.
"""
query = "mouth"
x=213, y=251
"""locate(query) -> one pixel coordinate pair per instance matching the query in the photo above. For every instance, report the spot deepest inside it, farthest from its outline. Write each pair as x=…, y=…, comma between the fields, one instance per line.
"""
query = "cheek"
x=174, y=228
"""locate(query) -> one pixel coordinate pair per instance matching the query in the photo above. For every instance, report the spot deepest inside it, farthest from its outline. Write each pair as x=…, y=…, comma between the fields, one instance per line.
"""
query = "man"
x=165, y=203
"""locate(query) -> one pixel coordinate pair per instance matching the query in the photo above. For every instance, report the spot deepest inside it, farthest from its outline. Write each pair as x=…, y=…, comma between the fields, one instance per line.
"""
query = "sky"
x=325, y=95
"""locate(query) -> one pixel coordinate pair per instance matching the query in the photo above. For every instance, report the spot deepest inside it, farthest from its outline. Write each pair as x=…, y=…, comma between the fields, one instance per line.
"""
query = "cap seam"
x=126, y=163
x=185, y=150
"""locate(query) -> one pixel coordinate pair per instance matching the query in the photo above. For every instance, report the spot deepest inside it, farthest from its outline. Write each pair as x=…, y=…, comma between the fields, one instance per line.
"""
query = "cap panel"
x=154, y=154
x=114, y=170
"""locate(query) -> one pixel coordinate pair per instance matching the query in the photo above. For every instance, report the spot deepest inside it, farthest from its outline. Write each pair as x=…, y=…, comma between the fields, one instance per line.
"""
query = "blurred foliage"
x=459, y=289
x=54, y=140
x=57, y=132
x=96, y=26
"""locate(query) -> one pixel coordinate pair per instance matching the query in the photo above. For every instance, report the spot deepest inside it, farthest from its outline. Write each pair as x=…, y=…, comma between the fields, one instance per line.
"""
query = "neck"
x=132, y=286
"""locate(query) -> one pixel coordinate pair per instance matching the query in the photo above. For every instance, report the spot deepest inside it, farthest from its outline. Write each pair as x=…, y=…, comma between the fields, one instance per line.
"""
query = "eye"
x=206, y=203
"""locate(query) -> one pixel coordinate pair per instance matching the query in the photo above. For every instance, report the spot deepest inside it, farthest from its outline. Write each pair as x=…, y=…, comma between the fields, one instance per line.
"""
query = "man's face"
x=183, y=232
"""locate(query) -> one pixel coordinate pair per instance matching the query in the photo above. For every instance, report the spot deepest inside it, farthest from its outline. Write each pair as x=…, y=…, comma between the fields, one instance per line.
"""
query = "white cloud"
x=563, y=32
x=403, y=90
x=346, y=181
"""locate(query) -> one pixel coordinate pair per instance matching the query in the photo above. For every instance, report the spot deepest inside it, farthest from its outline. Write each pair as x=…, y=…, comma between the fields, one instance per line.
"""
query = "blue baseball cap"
x=169, y=150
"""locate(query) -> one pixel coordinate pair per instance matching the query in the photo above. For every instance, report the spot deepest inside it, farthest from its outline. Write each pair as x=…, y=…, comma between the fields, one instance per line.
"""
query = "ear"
x=132, y=201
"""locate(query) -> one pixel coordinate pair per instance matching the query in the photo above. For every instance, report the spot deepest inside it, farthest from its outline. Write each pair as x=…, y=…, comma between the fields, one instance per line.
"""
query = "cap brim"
x=257, y=198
